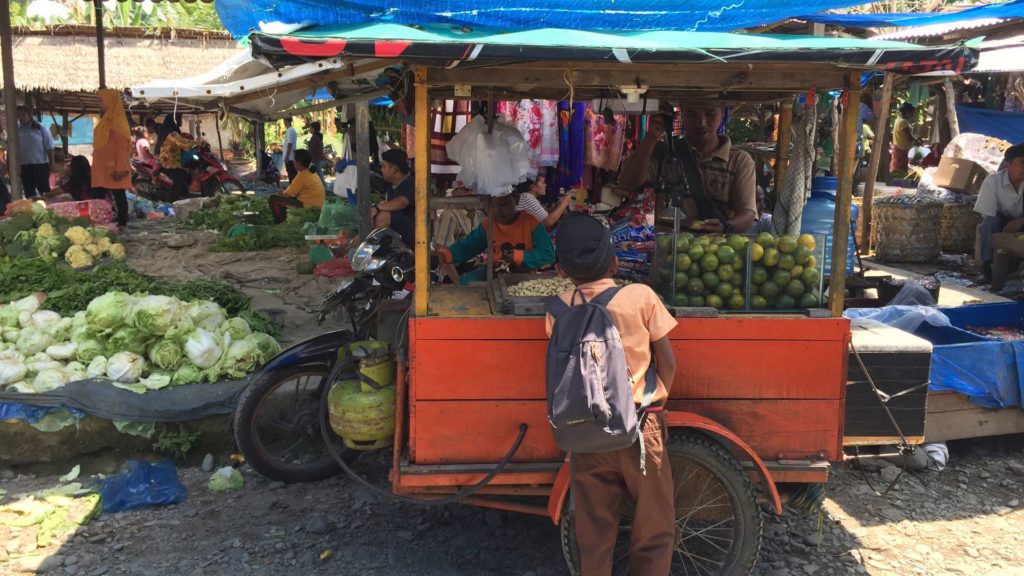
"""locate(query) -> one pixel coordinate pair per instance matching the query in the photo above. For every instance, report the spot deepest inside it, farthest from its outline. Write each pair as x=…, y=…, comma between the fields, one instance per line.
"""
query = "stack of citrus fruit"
x=710, y=270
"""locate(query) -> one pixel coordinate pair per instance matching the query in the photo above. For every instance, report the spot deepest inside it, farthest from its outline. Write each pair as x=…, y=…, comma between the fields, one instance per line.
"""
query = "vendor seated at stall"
x=1000, y=203
x=306, y=190
x=398, y=210
x=722, y=197
x=530, y=193
x=520, y=243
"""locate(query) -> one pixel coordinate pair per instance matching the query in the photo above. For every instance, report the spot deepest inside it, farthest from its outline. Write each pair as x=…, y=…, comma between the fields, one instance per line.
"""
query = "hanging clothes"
x=537, y=121
x=604, y=139
x=446, y=121
x=571, y=143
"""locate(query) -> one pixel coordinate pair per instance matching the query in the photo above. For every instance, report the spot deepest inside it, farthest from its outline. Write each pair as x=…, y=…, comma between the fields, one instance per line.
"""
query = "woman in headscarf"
x=112, y=150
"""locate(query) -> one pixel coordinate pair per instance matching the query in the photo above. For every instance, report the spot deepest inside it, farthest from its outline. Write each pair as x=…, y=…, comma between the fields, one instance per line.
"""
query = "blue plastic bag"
x=144, y=484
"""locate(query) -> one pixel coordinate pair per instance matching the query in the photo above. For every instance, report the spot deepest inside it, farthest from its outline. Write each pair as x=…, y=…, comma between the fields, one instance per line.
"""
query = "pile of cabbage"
x=138, y=341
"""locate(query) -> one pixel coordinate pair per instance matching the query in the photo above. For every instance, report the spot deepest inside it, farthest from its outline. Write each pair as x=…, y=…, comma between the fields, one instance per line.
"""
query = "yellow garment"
x=308, y=189
x=114, y=121
x=901, y=137
x=171, y=149
x=114, y=158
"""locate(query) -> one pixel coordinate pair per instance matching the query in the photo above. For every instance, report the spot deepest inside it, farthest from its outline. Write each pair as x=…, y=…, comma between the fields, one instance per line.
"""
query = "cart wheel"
x=277, y=425
x=718, y=521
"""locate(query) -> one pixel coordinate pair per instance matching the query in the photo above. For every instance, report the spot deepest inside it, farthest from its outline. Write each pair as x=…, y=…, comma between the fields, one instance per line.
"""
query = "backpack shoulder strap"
x=650, y=385
x=555, y=306
x=605, y=297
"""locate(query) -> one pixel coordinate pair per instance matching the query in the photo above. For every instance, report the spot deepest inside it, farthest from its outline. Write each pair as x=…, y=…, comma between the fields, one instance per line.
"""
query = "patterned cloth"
x=537, y=121
x=604, y=140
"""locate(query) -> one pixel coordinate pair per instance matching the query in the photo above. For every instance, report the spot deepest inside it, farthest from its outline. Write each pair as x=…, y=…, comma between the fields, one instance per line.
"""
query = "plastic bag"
x=938, y=455
x=906, y=318
x=144, y=484
x=346, y=177
x=913, y=293
x=490, y=162
x=336, y=216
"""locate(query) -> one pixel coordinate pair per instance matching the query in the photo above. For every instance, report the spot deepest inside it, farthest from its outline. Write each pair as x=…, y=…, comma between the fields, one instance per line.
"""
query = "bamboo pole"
x=954, y=123
x=362, y=137
x=844, y=195
x=881, y=128
x=10, y=103
x=101, y=56
x=422, y=195
x=783, y=145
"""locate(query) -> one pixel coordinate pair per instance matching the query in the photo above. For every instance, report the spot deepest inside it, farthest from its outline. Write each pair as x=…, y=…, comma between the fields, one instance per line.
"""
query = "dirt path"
x=965, y=520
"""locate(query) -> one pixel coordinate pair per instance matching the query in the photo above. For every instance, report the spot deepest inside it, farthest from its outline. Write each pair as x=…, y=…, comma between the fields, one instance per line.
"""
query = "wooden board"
x=460, y=301
x=707, y=369
x=951, y=416
x=468, y=432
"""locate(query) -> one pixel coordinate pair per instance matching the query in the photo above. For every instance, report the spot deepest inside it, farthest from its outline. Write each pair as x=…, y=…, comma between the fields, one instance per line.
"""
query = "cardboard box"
x=960, y=175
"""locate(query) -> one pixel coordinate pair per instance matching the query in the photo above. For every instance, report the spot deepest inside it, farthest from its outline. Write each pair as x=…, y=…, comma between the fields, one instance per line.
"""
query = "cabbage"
x=9, y=317
x=108, y=312
x=166, y=354
x=266, y=344
x=125, y=367
x=61, y=351
x=33, y=340
x=207, y=315
x=237, y=327
x=203, y=348
x=97, y=367
x=156, y=314
x=156, y=380
x=79, y=321
x=187, y=373
x=241, y=358
x=61, y=332
x=45, y=319
x=127, y=339
x=24, y=318
x=11, y=334
x=21, y=387
x=89, y=347
x=75, y=371
x=12, y=367
x=49, y=379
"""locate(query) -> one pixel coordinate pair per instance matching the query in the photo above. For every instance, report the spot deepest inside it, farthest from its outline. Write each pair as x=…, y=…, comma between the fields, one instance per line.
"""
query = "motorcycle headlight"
x=363, y=260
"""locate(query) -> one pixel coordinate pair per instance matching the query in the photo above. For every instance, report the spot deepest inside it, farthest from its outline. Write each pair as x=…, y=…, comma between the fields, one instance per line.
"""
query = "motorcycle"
x=277, y=423
x=209, y=176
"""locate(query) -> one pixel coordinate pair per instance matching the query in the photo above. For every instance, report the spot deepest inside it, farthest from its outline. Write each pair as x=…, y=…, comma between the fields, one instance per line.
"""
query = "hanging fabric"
x=571, y=128
x=790, y=205
x=537, y=121
x=604, y=139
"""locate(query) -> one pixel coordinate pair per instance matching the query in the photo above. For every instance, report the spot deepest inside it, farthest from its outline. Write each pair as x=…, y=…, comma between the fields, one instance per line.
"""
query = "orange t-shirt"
x=640, y=318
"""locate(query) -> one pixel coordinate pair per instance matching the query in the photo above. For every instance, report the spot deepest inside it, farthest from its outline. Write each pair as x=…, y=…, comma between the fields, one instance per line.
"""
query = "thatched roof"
x=65, y=59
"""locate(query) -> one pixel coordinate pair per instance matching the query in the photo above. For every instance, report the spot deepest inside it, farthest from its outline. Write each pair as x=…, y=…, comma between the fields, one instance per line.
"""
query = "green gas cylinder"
x=364, y=420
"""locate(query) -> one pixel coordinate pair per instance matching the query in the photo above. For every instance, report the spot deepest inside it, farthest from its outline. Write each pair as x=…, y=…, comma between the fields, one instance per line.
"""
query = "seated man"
x=521, y=243
x=398, y=210
x=1000, y=203
x=305, y=190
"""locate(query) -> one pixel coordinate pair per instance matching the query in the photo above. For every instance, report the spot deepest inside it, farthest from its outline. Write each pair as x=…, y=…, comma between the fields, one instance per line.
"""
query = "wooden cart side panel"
x=471, y=432
x=722, y=328
x=411, y=383
x=514, y=369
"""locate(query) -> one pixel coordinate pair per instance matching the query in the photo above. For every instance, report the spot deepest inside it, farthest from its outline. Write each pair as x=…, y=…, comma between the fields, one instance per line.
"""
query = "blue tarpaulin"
x=1002, y=10
x=241, y=16
x=1007, y=126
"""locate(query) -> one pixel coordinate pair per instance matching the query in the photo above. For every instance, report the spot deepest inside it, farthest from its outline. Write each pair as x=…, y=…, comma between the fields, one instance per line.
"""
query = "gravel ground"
x=965, y=520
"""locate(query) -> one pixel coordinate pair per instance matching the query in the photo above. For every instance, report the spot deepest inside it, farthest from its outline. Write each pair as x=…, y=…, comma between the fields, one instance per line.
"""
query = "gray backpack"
x=590, y=395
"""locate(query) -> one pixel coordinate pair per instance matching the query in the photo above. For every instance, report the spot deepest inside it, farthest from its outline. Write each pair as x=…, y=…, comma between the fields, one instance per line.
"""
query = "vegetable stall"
x=469, y=396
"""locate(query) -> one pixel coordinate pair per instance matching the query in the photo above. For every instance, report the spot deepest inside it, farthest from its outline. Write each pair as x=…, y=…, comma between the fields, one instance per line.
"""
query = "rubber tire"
x=324, y=468
x=226, y=187
x=742, y=493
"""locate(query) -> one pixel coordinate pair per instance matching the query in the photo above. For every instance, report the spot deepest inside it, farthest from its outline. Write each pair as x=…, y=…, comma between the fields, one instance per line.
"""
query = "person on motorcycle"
x=305, y=190
x=398, y=210
x=142, y=148
x=170, y=161
x=520, y=242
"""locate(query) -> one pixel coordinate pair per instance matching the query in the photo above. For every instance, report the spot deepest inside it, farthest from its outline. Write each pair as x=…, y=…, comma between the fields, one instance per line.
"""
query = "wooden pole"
x=422, y=194
x=844, y=195
x=881, y=128
x=10, y=102
x=220, y=142
x=97, y=7
x=783, y=145
x=954, y=123
x=363, y=166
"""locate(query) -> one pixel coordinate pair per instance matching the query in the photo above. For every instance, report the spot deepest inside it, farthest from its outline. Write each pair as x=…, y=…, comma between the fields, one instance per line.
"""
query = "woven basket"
x=959, y=226
x=907, y=228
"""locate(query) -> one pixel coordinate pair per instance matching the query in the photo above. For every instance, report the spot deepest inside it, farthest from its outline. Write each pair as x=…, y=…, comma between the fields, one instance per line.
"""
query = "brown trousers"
x=601, y=485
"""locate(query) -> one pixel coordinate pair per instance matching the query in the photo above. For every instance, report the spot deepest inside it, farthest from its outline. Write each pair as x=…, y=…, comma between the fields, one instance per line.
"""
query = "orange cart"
x=757, y=405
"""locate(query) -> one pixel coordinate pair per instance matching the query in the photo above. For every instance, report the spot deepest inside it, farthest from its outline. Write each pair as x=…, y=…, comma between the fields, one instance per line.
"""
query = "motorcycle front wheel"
x=277, y=425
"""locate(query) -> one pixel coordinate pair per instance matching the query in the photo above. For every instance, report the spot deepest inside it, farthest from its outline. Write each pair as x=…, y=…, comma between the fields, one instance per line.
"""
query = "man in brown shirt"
x=727, y=174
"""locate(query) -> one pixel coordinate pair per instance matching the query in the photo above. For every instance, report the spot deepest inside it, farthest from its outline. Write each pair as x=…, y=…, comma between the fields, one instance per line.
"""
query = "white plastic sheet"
x=491, y=162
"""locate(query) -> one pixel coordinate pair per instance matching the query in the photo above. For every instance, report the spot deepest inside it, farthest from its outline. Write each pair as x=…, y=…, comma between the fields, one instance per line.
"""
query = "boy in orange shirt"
x=602, y=482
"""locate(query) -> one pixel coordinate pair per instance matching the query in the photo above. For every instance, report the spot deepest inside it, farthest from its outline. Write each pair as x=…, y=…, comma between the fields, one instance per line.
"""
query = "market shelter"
x=757, y=406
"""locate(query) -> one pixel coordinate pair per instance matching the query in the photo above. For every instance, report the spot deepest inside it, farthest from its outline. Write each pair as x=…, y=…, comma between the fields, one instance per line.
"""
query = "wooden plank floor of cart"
x=951, y=416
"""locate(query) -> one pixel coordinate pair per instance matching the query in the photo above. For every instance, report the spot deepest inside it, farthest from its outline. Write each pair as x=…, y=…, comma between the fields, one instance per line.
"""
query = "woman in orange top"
x=111, y=155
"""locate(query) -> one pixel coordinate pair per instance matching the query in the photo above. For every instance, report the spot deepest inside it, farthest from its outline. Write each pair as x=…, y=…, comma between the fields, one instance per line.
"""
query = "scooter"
x=209, y=176
x=277, y=424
